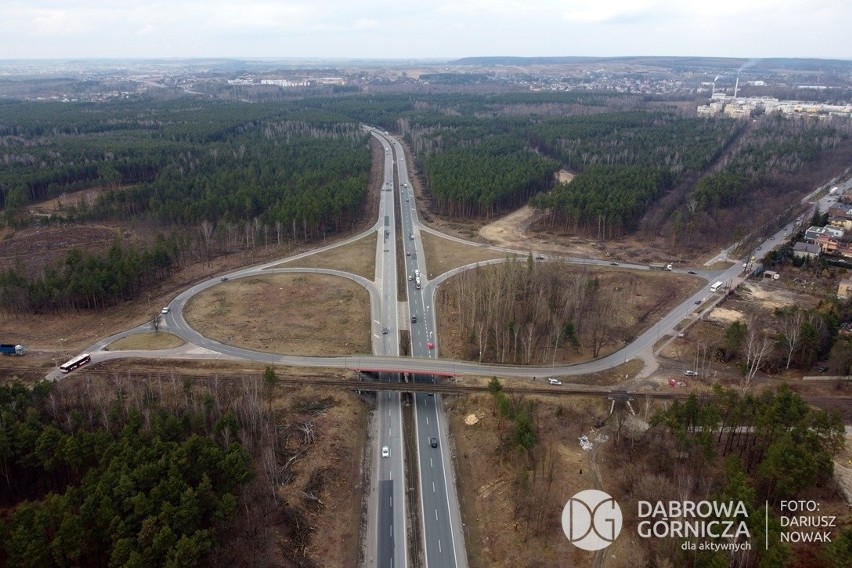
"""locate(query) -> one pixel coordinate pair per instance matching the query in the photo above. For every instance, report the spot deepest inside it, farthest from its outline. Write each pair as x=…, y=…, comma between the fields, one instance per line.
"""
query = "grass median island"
x=358, y=257
x=290, y=314
x=444, y=254
x=147, y=341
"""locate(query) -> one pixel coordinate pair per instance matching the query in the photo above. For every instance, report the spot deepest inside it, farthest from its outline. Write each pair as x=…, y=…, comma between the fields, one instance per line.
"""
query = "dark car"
x=224, y=279
x=433, y=442
x=413, y=319
x=691, y=272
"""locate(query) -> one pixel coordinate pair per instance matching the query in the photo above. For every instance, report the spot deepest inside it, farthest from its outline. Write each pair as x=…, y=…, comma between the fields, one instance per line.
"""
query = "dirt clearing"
x=290, y=314
x=326, y=483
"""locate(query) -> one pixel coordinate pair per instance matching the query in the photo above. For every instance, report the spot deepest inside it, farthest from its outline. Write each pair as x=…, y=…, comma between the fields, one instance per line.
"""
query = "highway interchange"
x=442, y=537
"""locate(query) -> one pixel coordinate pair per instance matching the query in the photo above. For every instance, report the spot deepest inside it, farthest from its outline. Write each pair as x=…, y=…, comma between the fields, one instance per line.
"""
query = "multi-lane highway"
x=443, y=544
x=389, y=514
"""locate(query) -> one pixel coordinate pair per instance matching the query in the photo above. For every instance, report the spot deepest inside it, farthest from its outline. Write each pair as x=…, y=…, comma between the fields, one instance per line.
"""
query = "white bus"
x=716, y=286
x=77, y=361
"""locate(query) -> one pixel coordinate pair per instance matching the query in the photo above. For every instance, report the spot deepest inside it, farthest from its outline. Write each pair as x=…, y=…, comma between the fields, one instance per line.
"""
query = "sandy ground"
x=512, y=231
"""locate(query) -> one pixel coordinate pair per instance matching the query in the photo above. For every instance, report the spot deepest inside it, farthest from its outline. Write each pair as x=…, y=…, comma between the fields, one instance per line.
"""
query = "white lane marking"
x=427, y=420
x=433, y=487
x=430, y=463
x=436, y=514
x=439, y=545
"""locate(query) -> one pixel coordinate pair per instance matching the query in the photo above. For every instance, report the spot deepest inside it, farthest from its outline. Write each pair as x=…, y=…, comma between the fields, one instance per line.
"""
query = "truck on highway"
x=11, y=349
x=659, y=266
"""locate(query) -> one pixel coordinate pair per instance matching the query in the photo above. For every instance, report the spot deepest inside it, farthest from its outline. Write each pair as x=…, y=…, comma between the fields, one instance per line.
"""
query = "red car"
x=430, y=345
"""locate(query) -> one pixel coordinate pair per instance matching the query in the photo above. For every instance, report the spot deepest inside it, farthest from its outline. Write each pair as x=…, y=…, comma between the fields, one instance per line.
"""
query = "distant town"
x=733, y=87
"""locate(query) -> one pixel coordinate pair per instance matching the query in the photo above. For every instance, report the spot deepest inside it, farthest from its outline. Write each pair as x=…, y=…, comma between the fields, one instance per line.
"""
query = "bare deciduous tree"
x=791, y=333
x=758, y=346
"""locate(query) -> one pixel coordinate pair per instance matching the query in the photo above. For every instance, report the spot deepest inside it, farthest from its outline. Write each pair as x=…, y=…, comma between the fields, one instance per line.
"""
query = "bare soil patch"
x=358, y=258
x=58, y=205
x=509, y=229
x=532, y=230
x=292, y=314
x=444, y=255
x=147, y=341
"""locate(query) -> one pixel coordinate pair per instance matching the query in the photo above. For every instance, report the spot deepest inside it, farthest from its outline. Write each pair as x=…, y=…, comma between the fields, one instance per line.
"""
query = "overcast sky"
x=424, y=28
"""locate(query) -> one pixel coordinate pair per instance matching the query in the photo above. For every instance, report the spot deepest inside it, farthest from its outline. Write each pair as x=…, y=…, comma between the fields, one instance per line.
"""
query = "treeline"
x=485, y=178
x=316, y=183
x=626, y=161
x=119, y=485
x=755, y=448
x=779, y=147
x=605, y=201
x=636, y=138
x=182, y=161
x=693, y=178
x=86, y=280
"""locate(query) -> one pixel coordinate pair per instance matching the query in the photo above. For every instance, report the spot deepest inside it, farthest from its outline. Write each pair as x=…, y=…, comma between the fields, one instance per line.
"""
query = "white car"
x=385, y=452
x=166, y=310
x=553, y=381
x=690, y=373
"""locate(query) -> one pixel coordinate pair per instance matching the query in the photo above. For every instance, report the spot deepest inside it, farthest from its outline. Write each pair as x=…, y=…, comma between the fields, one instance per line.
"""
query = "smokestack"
x=736, y=86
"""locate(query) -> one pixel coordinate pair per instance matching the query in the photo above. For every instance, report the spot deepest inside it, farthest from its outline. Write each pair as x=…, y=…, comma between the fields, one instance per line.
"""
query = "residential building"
x=813, y=232
x=805, y=250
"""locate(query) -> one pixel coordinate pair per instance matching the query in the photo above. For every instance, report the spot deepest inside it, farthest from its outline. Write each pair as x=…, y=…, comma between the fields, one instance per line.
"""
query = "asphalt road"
x=391, y=550
x=440, y=515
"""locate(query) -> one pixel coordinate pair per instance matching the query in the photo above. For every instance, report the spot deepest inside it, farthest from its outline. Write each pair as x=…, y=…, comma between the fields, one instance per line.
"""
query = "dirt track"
x=511, y=232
